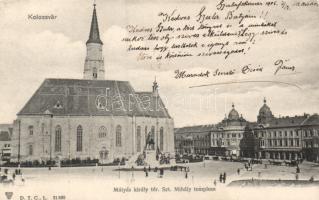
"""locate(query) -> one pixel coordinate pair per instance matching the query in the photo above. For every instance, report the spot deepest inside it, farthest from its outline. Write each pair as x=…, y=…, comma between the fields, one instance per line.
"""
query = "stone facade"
x=38, y=136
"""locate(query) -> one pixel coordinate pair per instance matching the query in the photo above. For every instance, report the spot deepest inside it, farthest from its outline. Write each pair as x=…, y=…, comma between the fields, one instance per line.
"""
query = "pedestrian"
x=220, y=178
x=311, y=179
x=238, y=171
x=146, y=174
x=186, y=175
x=149, y=168
x=161, y=172
x=14, y=176
x=297, y=177
x=224, y=177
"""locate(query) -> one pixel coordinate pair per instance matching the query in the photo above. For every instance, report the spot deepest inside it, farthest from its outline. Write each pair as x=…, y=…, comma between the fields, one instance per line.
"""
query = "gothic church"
x=90, y=117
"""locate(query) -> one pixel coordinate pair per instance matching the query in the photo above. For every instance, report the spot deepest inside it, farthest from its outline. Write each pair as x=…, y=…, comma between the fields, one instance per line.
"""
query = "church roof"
x=94, y=31
x=78, y=97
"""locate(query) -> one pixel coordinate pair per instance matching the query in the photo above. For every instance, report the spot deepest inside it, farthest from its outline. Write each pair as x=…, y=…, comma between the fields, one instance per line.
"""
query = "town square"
x=98, y=122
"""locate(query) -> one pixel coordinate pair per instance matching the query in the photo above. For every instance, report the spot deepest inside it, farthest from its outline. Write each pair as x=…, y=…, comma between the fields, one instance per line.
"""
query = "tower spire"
x=94, y=31
x=94, y=62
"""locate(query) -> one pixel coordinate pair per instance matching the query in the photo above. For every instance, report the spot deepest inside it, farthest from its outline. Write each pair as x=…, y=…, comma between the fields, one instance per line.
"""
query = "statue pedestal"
x=150, y=159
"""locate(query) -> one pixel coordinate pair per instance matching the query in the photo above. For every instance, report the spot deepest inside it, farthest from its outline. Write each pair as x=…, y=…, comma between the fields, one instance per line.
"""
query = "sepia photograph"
x=159, y=99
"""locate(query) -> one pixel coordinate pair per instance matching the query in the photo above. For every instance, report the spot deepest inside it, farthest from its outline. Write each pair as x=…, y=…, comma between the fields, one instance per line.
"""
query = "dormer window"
x=58, y=105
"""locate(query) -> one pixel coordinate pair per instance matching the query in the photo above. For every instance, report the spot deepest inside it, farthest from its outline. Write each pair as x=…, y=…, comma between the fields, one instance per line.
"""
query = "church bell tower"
x=94, y=61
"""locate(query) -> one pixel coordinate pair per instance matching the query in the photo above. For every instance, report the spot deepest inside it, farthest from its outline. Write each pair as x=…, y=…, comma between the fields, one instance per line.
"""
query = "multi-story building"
x=270, y=137
x=226, y=136
x=193, y=139
x=5, y=141
x=310, y=138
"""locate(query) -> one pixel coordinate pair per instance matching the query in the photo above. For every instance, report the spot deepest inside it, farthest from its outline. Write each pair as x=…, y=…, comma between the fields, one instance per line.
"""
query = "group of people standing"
x=222, y=177
x=248, y=166
x=4, y=175
x=156, y=169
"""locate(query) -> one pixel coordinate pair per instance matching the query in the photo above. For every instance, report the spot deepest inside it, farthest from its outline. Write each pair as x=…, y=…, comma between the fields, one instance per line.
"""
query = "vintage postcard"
x=159, y=99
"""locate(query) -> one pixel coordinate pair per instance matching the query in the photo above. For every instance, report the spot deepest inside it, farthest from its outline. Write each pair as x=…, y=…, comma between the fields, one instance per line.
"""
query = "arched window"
x=138, y=139
x=57, y=145
x=94, y=73
x=30, y=130
x=42, y=128
x=30, y=150
x=79, y=138
x=161, y=139
x=118, y=136
x=102, y=132
x=153, y=133
x=145, y=134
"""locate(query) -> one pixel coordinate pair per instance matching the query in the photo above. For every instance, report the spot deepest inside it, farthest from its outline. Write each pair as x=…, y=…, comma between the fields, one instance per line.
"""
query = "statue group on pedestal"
x=150, y=144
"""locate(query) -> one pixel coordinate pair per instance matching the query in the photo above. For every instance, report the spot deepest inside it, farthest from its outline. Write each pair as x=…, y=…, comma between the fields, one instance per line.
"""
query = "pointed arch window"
x=138, y=139
x=153, y=133
x=58, y=131
x=79, y=138
x=30, y=149
x=42, y=128
x=118, y=136
x=161, y=139
x=102, y=132
x=145, y=133
x=30, y=128
x=94, y=73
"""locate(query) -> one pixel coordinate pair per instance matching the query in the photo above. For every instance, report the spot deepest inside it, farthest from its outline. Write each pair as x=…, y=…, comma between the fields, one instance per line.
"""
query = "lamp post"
x=119, y=170
x=19, y=129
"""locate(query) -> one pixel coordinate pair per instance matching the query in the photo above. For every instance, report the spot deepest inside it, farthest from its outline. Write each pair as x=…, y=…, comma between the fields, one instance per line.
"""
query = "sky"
x=33, y=50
